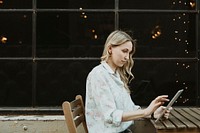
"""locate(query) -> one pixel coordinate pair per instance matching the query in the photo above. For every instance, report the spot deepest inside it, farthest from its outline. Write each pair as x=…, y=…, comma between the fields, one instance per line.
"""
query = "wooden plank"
x=183, y=119
x=190, y=117
x=196, y=110
x=168, y=124
x=176, y=121
x=158, y=125
x=194, y=114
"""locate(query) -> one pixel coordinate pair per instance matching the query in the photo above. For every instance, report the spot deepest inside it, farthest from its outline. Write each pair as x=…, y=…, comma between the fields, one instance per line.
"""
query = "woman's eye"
x=125, y=51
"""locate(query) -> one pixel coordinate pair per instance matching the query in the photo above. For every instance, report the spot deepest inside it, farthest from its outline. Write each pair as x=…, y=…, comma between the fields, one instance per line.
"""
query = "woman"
x=109, y=108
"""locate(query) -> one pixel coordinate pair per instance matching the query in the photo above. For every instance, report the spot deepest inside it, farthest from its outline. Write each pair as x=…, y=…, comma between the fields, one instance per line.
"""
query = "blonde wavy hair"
x=117, y=38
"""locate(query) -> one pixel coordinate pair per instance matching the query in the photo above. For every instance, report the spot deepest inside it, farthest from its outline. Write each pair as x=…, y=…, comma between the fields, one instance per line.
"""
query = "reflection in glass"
x=65, y=79
x=153, y=78
x=76, y=4
x=158, y=4
x=72, y=34
x=161, y=35
x=16, y=83
x=15, y=34
x=76, y=32
x=61, y=80
x=15, y=4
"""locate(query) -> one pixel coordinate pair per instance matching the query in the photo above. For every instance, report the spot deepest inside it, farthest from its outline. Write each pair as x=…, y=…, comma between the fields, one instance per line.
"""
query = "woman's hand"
x=162, y=109
x=155, y=104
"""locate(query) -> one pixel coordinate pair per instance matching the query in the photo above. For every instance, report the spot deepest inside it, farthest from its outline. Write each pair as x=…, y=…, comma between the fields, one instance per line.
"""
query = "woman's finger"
x=166, y=116
x=170, y=108
x=162, y=98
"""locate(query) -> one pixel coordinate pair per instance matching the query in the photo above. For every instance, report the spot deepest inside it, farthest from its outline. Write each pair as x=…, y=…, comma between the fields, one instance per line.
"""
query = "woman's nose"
x=126, y=57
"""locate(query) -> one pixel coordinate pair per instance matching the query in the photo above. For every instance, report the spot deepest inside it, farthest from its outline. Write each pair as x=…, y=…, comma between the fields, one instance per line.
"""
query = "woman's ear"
x=110, y=50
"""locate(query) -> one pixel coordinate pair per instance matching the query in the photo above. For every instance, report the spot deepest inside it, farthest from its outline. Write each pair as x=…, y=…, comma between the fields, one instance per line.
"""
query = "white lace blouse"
x=106, y=100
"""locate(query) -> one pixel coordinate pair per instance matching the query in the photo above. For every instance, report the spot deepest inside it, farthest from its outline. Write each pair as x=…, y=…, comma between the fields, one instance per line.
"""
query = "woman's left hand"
x=162, y=109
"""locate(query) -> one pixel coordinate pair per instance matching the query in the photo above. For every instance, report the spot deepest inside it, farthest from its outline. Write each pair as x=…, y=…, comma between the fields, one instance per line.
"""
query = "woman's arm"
x=128, y=116
x=141, y=113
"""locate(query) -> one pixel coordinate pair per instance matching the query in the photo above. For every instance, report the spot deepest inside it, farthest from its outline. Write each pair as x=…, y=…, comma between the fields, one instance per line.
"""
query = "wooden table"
x=181, y=120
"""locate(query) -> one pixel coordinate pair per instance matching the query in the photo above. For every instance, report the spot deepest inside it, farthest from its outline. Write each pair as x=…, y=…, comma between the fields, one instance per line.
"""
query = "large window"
x=48, y=47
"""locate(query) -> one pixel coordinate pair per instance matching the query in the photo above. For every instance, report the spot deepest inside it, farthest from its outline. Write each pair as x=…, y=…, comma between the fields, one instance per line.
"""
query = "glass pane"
x=15, y=34
x=161, y=35
x=61, y=80
x=16, y=83
x=153, y=78
x=15, y=4
x=72, y=34
x=76, y=4
x=158, y=4
x=198, y=28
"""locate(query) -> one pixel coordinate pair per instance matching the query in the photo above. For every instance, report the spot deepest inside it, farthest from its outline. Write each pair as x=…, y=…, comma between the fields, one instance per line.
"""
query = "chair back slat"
x=74, y=113
x=77, y=111
x=75, y=103
x=78, y=120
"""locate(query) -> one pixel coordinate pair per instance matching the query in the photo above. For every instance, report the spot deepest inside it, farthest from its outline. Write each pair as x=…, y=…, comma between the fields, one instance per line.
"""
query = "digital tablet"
x=170, y=103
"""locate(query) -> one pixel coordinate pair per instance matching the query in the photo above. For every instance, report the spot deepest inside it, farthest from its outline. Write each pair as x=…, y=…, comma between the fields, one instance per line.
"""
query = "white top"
x=106, y=100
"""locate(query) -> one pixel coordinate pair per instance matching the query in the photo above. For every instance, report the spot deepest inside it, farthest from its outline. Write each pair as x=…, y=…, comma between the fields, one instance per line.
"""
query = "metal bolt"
x=25, y=128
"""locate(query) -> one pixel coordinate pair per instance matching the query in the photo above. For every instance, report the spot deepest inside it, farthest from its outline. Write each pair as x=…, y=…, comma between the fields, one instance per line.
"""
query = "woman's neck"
x=112, y=65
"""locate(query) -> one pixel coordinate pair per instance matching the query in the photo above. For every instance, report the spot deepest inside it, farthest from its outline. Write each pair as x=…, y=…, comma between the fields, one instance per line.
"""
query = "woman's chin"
x=121, y=65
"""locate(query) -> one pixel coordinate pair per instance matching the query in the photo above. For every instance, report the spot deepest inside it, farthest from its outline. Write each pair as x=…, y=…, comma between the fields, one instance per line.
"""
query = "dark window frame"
x=116, y=10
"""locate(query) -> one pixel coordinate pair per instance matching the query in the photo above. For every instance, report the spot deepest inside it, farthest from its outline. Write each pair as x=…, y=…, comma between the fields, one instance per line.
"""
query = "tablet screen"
x=170, y=103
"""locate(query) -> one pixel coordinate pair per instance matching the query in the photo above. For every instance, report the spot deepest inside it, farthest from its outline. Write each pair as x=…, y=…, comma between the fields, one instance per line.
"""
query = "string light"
x=25, y=16
x=156, y=32
x=192, y=4
x=83, y=14
x=20, y=42
x=95, y=36
x=187, y=66
x=3, y=39
x=180, y=37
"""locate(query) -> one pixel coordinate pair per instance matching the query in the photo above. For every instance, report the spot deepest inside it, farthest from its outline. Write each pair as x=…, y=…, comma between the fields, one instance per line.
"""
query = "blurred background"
x=47, y=48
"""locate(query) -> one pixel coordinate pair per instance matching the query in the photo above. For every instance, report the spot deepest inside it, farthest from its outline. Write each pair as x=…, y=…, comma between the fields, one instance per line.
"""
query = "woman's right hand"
x=156, y=103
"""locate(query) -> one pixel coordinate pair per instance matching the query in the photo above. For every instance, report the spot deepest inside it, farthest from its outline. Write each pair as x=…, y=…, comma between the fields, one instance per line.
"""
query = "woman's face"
x=120, y=54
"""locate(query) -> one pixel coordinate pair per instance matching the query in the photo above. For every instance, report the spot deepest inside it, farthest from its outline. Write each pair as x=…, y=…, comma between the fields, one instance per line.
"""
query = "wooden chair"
x=74, y=113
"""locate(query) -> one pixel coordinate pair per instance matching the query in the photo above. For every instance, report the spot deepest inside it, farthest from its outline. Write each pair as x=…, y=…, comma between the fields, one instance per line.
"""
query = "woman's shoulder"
x=97, y=69
x=99, y=73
